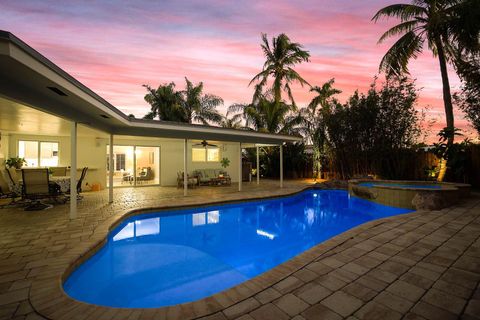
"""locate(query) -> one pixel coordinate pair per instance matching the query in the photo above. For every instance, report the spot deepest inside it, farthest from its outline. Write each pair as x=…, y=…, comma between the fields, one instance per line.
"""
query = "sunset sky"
x=114, y=47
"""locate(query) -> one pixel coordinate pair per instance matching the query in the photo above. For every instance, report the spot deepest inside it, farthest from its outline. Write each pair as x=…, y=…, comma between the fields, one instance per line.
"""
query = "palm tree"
x=435, y=22
x=313, y=126
x=165, y=102
x=190, y=105
x=232, y=120
x=281, y=58
x=266, y=115
x=200, y=107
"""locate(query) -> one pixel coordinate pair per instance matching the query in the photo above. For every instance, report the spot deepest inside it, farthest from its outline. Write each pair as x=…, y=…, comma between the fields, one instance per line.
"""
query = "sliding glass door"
x=134, y=165
x=148, y=165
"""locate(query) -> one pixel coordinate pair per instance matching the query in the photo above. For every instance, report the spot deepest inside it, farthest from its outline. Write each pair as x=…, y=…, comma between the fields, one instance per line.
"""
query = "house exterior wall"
x=92, y=153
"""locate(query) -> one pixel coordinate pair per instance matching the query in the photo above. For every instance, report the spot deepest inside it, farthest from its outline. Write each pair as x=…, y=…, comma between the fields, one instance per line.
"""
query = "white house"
x=52, y=120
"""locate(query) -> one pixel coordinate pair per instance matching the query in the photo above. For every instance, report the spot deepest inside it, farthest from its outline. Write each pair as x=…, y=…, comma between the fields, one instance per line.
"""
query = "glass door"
x=122, y=166
x=148, y=165
x=134, y=165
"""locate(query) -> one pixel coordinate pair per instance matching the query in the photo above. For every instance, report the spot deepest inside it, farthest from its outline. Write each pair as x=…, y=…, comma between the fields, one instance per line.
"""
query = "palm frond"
x=401, y=28
x=395, y=61
x=402, y=11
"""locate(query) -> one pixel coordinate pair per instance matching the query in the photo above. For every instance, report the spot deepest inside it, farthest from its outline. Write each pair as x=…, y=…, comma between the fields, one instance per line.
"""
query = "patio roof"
x=28, y=78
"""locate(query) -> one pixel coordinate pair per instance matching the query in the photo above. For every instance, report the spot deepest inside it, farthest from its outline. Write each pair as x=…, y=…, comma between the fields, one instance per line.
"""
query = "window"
x=39, y=153
x=198, y=154
x=205, y=154
x=213, y=154
x=120, y=161
x=48, y=154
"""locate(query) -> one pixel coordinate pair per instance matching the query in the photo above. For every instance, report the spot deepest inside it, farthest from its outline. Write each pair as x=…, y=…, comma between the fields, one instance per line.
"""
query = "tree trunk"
x=447, y=97
x=447, y=101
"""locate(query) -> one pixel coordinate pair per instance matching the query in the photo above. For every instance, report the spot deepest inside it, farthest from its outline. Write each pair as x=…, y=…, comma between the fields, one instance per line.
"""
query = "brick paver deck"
x=423, y=265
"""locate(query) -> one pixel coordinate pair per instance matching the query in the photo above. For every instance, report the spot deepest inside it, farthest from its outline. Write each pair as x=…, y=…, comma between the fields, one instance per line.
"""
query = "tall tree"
x=232, y=120
x=266, y=115
x=468, y=99
x=281, y=58
x=435, y=22
x=313, y=124
x=200, y=107
x=189, y=105
x=165, y=103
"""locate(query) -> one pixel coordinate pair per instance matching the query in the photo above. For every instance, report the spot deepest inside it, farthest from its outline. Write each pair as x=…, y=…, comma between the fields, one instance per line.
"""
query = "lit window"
x=48, y=154
x=120, y=161
x=213, y=154
x=36, y=153
x=198, y=154
x=29, y=151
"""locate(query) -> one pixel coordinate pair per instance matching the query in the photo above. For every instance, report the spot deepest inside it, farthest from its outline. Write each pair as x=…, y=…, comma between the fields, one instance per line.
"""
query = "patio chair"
x=7, y=195
x=12, y=181
x=58, y=171
x=36, y=186
x=80, y=182
x=191, y=181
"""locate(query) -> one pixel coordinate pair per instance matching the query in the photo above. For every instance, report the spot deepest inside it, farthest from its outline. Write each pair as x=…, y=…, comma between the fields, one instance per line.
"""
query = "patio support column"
x=73, y=171
x=258, y=165
x=185, y=173
x=281, y=165
x=239, y=166
x=110, y=171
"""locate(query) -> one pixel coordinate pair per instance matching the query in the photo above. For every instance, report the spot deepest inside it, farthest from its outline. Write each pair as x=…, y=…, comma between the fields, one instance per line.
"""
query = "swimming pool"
x=171, y=257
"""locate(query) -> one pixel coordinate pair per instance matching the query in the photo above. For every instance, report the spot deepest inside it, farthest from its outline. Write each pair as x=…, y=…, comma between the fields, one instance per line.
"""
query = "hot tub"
x=409, y=194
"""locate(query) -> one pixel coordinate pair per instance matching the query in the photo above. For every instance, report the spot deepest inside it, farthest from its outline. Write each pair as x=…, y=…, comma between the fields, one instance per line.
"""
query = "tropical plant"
x=374, y=133
x=266, y=115
x=200, y=107
x=232, y=120
x=313, y=124
x=165, y=102
x=15, y=162
x=452, y=156
x=281, y=57
x=440, y=24
x=468, y=99
x=225, y=162
x=189, y=105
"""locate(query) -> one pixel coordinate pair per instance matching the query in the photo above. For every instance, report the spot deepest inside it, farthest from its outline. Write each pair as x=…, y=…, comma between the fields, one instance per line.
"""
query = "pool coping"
x=48, y=298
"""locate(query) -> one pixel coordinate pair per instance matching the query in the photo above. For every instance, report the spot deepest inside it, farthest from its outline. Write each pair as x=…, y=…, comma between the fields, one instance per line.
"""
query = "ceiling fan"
x=205, y=144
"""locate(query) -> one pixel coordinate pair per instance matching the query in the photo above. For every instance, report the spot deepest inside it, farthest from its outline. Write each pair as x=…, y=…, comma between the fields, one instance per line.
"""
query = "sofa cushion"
x=210, y=173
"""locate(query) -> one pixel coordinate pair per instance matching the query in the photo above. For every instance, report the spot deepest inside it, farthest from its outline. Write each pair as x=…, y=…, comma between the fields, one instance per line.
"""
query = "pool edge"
x=50, y=300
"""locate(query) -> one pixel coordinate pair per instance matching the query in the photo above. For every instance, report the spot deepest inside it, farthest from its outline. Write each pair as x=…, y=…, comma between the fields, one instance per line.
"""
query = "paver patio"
x=422, y=265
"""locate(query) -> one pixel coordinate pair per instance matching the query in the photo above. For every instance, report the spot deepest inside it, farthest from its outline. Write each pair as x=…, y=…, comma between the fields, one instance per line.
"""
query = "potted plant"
x=225, y=162
x=15, y=162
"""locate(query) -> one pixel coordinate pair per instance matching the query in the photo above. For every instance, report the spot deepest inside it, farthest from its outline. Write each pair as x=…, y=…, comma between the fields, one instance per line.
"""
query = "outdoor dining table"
x=62, y=181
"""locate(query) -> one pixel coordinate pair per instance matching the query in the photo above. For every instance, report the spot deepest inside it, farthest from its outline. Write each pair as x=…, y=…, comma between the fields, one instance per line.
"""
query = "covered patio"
x=41, y=104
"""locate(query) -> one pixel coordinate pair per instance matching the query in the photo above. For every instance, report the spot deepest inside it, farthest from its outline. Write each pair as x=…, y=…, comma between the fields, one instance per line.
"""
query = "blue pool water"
x=399, y=185
x=173, y=257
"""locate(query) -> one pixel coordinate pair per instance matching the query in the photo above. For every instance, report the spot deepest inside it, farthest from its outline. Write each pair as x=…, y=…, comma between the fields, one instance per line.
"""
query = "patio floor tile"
x=422, y=265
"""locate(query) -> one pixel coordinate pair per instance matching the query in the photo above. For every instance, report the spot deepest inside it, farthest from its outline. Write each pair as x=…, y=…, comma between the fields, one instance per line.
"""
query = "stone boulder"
x=364, y=192
x=332, y=184
x=429, y=201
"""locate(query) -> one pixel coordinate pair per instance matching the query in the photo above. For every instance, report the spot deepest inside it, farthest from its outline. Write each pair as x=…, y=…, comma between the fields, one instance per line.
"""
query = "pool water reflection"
x=173, y=257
